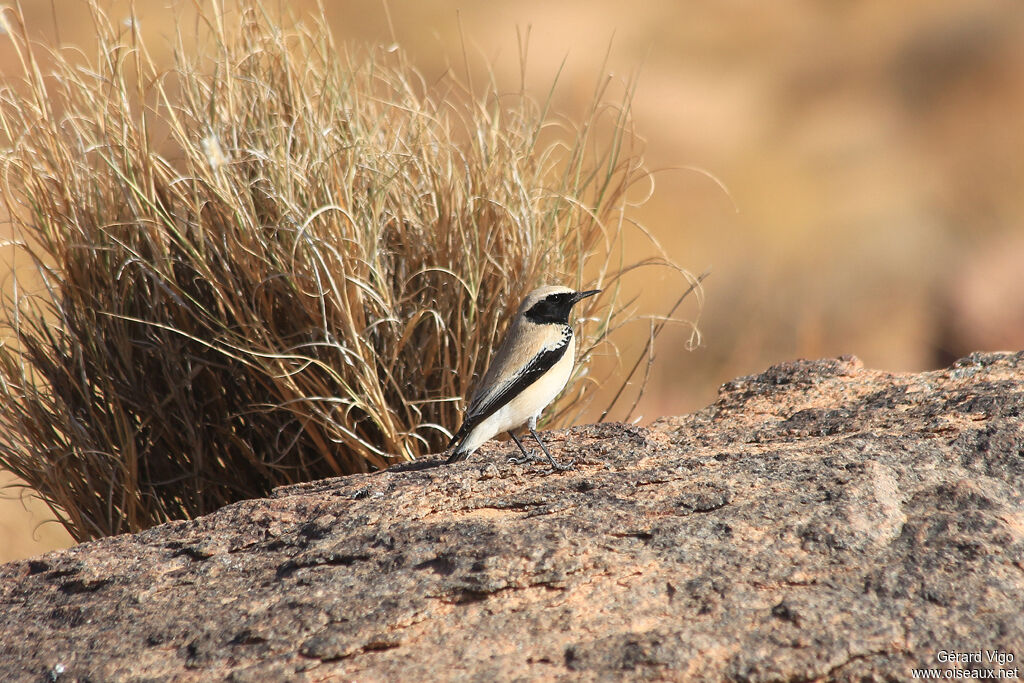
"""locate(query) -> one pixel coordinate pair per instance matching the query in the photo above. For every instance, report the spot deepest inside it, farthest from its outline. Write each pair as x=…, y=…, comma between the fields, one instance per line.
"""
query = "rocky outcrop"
x=819, y=521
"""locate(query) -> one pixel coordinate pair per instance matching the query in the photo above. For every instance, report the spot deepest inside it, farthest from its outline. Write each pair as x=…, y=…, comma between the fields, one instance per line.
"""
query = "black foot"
x=532, y=457
x=559, y=467
x=526, y=459
x=555, y=465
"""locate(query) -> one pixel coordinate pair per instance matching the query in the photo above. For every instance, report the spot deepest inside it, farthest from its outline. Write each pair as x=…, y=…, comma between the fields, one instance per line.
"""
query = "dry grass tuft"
x=275, y=262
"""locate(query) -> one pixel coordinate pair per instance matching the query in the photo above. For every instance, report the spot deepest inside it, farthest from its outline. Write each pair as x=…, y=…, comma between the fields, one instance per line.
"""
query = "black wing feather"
x=533, y=371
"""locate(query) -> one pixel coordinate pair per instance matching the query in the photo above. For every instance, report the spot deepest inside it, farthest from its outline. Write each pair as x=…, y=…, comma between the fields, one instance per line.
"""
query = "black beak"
x=580, y=296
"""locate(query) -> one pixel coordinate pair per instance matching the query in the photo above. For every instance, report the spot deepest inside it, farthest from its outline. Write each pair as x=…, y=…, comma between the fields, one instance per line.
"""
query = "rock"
x=818, y=521
x=978, y=303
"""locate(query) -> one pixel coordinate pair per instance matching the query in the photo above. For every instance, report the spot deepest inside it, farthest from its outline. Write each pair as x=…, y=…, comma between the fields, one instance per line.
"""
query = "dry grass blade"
x=275, y=261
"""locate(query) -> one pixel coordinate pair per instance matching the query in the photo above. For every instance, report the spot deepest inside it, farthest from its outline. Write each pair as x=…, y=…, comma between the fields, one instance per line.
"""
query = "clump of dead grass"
x=274, y=262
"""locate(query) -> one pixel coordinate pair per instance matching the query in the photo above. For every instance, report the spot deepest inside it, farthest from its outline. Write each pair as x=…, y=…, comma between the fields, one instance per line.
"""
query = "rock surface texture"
x=819, y=521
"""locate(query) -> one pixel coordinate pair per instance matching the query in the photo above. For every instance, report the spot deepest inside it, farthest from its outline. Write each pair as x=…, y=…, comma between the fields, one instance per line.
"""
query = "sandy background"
x=871, y=155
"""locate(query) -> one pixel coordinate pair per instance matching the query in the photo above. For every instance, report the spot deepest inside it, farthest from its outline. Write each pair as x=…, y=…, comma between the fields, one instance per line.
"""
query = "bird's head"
x=552, y=304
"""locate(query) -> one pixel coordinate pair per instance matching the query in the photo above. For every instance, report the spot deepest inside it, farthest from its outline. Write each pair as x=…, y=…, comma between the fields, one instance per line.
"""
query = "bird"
x=532, y=365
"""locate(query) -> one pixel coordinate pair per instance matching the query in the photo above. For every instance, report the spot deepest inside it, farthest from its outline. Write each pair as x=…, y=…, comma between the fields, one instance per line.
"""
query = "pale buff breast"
x=523, y=341
x=532, y=400
x=529, y=403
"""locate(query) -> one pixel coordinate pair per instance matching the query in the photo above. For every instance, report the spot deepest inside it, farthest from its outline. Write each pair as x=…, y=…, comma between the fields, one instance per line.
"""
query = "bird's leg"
x=527, y=457
x=554, y=463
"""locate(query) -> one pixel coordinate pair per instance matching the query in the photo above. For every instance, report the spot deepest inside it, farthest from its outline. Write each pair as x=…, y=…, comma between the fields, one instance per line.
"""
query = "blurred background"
x=852, y=173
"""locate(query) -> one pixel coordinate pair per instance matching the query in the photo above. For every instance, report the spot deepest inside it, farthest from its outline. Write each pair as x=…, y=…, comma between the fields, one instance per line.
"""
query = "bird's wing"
x=520, y=361
x=489, y=402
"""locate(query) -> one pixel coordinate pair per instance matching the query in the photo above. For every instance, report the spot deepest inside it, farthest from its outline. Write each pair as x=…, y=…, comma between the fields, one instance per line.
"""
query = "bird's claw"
x=558, y=467
x=526, y=459
x=542, y=460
